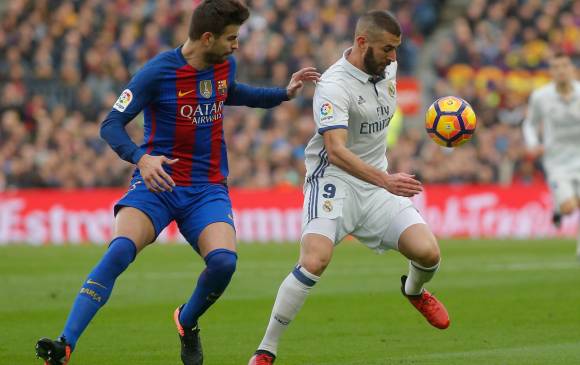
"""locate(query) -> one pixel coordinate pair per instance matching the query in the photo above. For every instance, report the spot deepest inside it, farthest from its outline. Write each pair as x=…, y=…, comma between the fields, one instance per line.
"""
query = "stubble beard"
x=372, y=66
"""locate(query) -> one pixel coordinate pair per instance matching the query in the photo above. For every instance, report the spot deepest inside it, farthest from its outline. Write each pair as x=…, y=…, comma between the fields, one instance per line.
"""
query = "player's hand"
x=155, y=177
x=403, y=184
x=298, y=78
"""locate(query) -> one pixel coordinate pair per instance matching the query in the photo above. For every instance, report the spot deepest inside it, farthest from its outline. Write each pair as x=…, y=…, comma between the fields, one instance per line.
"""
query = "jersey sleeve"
x=531, y=125
x=254, y=97
x=140, y=92
x=330, y=106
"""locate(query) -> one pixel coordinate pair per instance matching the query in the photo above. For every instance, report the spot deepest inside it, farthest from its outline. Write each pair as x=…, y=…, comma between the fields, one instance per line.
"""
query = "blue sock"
x=97, y=288
x=212, y=282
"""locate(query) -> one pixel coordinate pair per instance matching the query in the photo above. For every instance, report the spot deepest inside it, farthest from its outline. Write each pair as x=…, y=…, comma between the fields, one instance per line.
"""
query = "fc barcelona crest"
x=205, y=88
x=222, y=86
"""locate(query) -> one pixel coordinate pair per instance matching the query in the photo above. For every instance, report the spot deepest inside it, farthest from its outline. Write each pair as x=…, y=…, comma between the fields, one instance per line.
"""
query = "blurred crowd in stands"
x=64, y=62
x=493, y=56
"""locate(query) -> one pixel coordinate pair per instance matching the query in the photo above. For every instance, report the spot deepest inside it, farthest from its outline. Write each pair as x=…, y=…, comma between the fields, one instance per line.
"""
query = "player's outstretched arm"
x=339, y=155
x=297, y=81
x=269, y=97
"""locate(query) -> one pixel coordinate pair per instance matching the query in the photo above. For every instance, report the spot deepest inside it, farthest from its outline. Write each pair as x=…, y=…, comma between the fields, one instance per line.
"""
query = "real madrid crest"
x=205, y=88
x=327, y=206
x=392, y=89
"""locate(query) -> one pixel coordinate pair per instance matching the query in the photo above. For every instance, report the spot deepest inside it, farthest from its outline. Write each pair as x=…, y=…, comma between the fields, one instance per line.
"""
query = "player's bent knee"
x=425, y=252
x=419, y=244
x=430, y=257
x=315, y=264
x=136, y=225
x=222, y=262
x=121, y=248
x=428, y=254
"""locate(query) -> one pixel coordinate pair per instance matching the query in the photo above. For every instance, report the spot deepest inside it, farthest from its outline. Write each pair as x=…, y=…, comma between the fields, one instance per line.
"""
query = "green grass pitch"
x=511, y=302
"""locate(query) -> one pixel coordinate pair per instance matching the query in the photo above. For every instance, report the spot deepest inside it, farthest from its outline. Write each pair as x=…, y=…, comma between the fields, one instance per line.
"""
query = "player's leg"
x=326, y=220
x=568, y=204
x=316, y=249
x=134, y=229
x=217, y=246
x=418, y=244
x=565, y=192
x=563, y=197
x=207, y=224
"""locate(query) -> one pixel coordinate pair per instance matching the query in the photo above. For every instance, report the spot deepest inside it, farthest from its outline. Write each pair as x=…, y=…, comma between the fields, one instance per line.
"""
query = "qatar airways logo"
x=202, y=113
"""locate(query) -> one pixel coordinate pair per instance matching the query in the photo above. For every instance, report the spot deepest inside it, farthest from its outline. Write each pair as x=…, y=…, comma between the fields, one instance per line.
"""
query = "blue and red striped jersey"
x=184, y=114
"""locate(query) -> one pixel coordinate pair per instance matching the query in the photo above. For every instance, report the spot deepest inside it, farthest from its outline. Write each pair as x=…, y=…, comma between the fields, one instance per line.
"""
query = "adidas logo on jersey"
x=360, y=100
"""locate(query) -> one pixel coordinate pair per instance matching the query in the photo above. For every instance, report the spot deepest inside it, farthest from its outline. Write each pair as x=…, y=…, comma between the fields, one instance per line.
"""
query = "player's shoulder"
x=232, y=60
x=231, y=64
x=165, y=59
x=157, y=67
x=335, y=79
x=391, y=71
x=335, y=73
x=544, y=91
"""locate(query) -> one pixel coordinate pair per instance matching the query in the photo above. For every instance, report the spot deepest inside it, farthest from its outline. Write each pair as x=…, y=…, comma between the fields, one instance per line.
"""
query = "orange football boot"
x=262, y=357
x=431, y=308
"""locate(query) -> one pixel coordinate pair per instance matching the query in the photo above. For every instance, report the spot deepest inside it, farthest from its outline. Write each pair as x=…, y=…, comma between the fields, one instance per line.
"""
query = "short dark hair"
x=215, y=15
x=378, y=20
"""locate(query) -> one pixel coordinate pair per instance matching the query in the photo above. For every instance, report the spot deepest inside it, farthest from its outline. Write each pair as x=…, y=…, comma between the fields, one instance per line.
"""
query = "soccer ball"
x=450, y=121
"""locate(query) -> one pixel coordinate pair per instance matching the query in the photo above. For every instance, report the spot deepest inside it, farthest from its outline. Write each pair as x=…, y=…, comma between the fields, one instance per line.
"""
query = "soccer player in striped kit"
x=181, y=170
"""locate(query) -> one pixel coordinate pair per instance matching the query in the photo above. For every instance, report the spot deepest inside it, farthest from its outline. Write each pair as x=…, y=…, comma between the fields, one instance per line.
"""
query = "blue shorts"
x=192, y=207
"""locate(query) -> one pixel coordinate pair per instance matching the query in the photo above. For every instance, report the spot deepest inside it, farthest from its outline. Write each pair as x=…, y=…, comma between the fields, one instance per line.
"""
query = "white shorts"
x=564, y=188
x=371, y=214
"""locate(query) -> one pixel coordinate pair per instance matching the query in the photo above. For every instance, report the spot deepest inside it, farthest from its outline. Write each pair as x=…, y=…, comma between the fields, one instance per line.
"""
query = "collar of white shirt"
x=354, y=71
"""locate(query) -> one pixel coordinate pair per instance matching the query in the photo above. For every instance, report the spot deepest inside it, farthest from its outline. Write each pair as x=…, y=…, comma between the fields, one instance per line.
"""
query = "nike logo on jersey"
x=182, y=94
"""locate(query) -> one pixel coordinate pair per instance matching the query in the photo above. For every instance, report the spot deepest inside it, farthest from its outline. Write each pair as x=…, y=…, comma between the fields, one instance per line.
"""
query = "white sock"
x=418, y=275
x=291, y=296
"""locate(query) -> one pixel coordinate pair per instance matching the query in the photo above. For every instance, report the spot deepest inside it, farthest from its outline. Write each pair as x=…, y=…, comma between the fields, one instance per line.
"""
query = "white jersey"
x=559, y=122
x=346, y=98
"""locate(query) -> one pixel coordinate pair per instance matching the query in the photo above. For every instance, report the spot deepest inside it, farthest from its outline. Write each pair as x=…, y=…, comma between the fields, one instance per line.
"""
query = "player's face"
x=380, y=53
x=562, y=69
x=223, y=46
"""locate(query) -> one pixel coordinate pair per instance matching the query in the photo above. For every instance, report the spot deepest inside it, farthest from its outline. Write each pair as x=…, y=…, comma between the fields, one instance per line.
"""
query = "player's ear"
x=207, y=39
x=362, y=42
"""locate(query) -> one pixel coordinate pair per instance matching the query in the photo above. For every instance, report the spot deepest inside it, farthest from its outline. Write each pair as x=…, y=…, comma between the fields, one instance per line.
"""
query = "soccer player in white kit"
x=348, y=189
x=552, y=130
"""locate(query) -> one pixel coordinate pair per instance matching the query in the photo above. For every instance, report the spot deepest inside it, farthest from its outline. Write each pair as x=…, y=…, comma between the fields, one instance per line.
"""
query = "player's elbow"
x=106, y=129
x=334, y=154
